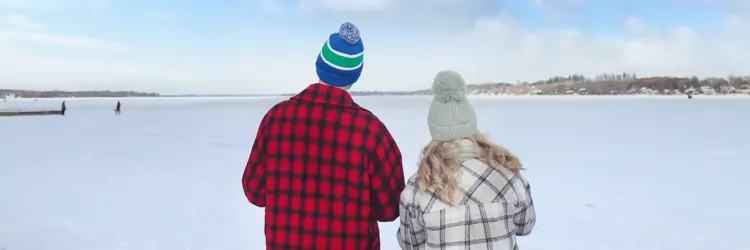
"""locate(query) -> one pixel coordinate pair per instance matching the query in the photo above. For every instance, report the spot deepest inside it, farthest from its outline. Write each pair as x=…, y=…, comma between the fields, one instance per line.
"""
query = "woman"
x=468, y=192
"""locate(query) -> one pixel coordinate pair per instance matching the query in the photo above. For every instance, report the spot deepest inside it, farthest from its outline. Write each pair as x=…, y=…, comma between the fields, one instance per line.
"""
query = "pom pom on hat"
x=349, y=33
x=449, y=86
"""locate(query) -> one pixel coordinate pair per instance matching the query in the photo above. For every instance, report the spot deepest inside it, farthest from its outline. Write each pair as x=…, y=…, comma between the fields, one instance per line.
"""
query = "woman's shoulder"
x=480, y=166
x=489, y=184
x=416, y=197
x=411, y=190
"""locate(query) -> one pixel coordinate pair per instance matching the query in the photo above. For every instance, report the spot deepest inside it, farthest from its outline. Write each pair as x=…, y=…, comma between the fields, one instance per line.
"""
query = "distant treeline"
x=61, y=93
x=614, y=84
x=601, y=84
x=366, y=93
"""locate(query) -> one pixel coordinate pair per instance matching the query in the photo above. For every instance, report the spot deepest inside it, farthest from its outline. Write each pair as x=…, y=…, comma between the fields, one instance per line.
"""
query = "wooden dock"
x=29, y=112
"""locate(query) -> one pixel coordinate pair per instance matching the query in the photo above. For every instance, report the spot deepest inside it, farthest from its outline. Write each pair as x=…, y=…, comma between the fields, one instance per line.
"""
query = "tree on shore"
x=617, y=83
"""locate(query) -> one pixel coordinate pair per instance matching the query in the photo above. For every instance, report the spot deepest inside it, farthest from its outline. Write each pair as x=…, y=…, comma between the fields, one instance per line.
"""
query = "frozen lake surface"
x=605, y=173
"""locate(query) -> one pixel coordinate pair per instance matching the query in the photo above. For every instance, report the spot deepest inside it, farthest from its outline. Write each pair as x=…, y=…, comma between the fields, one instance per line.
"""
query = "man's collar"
x=326, y=94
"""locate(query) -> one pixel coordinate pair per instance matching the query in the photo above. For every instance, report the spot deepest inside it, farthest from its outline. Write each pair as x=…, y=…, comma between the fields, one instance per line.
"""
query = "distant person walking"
x=63, y=108
x=468, y=192
x=117, y=108
x=325, y=169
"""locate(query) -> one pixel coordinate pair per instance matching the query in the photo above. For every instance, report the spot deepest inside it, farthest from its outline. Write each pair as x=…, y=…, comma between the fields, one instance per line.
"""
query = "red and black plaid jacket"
x=326, y=170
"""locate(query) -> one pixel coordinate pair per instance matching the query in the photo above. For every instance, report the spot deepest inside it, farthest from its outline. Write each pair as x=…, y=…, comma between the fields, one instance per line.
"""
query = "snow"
x=606, y=174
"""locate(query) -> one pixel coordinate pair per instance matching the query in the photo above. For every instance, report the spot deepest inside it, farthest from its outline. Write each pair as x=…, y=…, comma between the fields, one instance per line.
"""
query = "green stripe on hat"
x=341, y=61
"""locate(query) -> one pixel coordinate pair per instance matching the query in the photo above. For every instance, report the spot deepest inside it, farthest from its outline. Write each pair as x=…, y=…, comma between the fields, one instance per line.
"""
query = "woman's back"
x=492, y=206
x=468, y=192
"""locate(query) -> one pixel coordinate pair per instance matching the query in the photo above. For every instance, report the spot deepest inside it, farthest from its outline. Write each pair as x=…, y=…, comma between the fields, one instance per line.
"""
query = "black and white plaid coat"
x=493, y=207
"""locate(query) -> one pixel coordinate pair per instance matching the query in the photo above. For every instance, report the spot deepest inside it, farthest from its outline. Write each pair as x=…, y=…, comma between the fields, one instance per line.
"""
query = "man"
x=325, y=169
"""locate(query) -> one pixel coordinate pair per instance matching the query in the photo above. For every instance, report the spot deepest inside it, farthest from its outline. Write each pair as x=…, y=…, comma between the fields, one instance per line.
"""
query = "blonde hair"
x=438, y=166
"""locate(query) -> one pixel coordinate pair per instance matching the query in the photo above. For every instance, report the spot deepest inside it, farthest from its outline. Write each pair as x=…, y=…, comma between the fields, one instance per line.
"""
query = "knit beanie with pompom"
x=451, y=116
x=341, y=60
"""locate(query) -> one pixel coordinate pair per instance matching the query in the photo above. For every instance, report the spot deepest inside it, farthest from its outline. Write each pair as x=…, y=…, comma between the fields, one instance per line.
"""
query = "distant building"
x=727, y=89
x=707, y=90
x=5, y=96
x=647, y=91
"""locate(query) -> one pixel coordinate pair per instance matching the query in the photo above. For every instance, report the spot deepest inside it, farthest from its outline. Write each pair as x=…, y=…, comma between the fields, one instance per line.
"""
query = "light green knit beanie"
x=451, y=116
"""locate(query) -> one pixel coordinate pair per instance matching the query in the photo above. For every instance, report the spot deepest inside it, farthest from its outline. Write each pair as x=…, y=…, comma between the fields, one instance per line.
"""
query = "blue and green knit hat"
x=341, y=60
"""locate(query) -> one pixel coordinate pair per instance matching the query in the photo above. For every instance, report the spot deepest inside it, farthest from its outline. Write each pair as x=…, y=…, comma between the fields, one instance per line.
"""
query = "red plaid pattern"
x=326, y=170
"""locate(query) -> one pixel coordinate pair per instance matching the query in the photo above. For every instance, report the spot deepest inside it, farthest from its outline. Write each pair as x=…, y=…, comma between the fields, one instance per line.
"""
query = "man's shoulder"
x=278, y=108
x=372, y=121
x=283, y=103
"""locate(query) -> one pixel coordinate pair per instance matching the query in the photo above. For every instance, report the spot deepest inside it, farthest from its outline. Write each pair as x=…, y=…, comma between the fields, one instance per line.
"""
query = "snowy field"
x=606, y=174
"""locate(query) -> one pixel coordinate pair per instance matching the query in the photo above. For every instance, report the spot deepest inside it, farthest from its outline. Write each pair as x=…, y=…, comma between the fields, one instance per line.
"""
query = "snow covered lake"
x=606, y=174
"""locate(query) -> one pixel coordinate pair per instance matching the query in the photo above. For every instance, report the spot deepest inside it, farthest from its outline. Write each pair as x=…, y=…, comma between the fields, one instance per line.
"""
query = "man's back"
x=326, y=170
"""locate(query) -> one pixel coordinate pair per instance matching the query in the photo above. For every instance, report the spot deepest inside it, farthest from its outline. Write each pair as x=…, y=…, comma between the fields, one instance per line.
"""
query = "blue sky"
x=264, y=46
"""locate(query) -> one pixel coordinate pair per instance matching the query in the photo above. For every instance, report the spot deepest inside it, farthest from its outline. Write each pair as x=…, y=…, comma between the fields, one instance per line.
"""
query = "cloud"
x=557, y=3
x=19, y=28
x=421, y=15
x=381, y=5
x=634, y=25
x=97, y=4
x=364, y=5
x=512, y=52
x=18, y=4
x=495, y=47
x=51, y=4
x=64, y=40
x=19, y=21
x=274, y=6
x=158, y=14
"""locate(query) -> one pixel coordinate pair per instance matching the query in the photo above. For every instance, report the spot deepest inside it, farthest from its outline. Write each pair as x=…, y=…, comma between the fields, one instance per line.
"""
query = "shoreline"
x=473, y=97
x=140, y=98
x=607, y=97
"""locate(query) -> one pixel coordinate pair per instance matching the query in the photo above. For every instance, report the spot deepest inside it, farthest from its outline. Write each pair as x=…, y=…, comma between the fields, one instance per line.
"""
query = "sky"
x=270, y=46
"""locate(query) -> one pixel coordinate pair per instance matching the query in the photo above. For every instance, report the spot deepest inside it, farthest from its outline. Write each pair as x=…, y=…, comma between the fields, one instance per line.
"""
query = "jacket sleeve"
x=254, y=177
x=525, y=217
x=386, y=178
x=410, y=233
